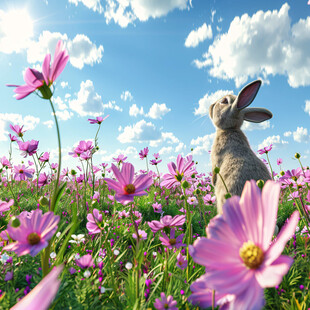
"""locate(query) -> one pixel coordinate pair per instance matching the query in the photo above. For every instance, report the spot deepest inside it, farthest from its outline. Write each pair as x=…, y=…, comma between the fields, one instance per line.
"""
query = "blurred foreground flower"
x=43, y=294
x=126, y=188
x=238, y=257
x=5, y=206
x=165, y=303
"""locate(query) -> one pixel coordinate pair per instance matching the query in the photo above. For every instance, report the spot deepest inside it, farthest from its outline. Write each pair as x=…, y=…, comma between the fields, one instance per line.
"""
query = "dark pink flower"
x=157, y=207
x=264, y=150
x=28, y=147
x=98, y=120
x=143, y=153
x=5, y=162
x=208, y=199
x=95, y=222
x=33, y=233
x=18, y=130
x=13, y=138
x=279, y=161
x=238, y=254
x=172, y=241
x=167, y=221
x=181, y=261
x=155, y=162
x=5, y=206
x=82, y=147
x=43, y=179
x=42, y=81
x=166, y=303
x=22, y=173
x=127, y=188
x=45, y=157
x=142, y=235
x=120, y=159
x=85, y=261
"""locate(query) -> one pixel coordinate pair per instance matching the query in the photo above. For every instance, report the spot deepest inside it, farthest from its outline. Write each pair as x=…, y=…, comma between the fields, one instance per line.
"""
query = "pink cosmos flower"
x=181, y=261
x=33, y=233
x=167, y=221
x=208, y=199
x=28, y=147
x=94, y=221
x=12, y=138
x=143, y=153
x=157, y=207
x=120, y=159
x=127, y=188
x=172, y=242
x=5, y=162
x=45, y=157
x=82, y=147
x=165, y=303
x=279, y=161
x=178, y=172
x=98, y=120
x=85, y=261
x=192, y=201
x=18, y=130
x=42, y=81
x=238, y=257
x=264, y=150
x=43, y=294
x=142, y=235
x=5, y=206
x=155, y=162
x=43, y=179
x=156, y=155
x=22, y=173
x=294, y=174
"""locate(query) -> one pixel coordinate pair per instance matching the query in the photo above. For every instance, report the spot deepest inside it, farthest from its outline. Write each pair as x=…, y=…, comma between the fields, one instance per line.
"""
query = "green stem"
x=270, y=166
x=223, y=182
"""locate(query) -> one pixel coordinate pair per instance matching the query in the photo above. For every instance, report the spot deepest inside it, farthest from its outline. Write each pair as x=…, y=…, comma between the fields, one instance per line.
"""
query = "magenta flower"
x=172, y=242
x=157, y=207
x=85, y=261
x=142, y=235
x=120, y=159
x=33, y=233
x=178, y=172
x=45, y=157
x=167, y=222
x=238, y=257
x=42, y=81
x=143, y=153
x=181, y=261
x=18, y=130
x=13, y=138
x=43, y=179
x=82, y=147
x=208, y=199
x=165, y=303
x=264, y=150
x=192, y=201
x=95, y=222
x=22, y=173
x=279, y=161
x=126, y=188
x=28, y=147
x=43, y=294
x=155, y=162
x=98, y=120
x=5, y=162
x=5, y=206
x=294, y=174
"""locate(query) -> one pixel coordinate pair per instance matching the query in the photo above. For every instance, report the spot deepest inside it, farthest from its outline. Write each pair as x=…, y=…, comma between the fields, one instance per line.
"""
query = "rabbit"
x=231, y=151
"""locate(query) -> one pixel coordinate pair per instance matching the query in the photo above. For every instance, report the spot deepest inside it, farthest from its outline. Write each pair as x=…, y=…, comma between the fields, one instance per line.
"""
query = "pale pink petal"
x=270, y=276
x=112, y=184
x=128, y=172
x=46, y=68
x=143, y=181
x=119, y=175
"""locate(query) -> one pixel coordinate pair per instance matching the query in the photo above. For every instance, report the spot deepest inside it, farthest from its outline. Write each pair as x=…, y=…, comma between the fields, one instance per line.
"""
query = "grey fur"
x=231, y=151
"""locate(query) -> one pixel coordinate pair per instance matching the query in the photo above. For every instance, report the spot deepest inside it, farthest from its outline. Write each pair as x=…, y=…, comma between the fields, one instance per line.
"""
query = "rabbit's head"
x=230, y=111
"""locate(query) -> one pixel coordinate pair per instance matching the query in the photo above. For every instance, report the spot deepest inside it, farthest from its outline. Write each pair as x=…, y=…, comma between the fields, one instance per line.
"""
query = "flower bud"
x=198, y=191
x=182, y=197
x=260, y=184
x=282, y=173
x=192, y=149
x=216, y=170
x=15, y=222
x=297, y=155
x=43, y=201
x=73, y=172
x=228, y=195
x=185, y=184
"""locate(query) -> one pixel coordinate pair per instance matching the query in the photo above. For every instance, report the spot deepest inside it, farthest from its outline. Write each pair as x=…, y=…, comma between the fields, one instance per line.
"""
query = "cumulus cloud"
x=261, y=45
x=124, y=12
x=88, y=102
x=166, y=137
x=29, y=122
x=287, y=134
x=205, y=102
x=301, y=135
x=111, y=105
x=64, y=84
x=307, y=107
x=64, y=115
x=49, y=123
x=165, y=150
x=203, y=144
x=274, y=140
x=59, y=102
x=180, y=147
x=126, y=95
x=81, y=50
x=94, y=5
x=198, y=35
x=157, y=111
x=139, y=132
x=135, y=111
x=130, y=152
x=248, y=126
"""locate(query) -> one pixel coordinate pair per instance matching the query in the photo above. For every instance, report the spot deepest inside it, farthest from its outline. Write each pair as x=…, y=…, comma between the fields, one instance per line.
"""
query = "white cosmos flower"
x=77, y=238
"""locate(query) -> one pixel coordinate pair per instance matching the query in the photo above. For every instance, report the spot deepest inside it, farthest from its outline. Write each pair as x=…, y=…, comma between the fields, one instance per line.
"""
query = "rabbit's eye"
x=224, y=101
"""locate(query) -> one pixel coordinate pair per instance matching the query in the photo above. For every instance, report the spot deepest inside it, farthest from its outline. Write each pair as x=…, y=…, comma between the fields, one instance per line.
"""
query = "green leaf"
x=60, y=191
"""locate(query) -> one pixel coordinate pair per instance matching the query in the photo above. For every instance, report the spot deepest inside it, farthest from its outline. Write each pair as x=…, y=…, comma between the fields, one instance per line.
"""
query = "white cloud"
x=124, y=12
x=165, y=150
x=135, y=111
x=263, y=44
x=49, y=123
x=307, y=107
x=202, y=144
x=287, y=134
x=126, y=95
x=16, y=30
x=274, y=140
x=198, y=35
x=205, y=102
x=111, y=105
x=301, y=135
x=157, y=111
x=64, y=115
x=139, y=132
x=59, y=102
x=130, y=152
x=88, y=102
x=212, y=15
x=248, y=126
x=180, y=147
x=166, y=137
x=64, y=84
x=81, y=50
x=94, y=5
x=29, y=122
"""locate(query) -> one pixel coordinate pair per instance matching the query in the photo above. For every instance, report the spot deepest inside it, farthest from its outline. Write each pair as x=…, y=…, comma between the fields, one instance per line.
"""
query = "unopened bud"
x=185, y=184
x=216, y=170
x=15, y=222
x=43, y=201
x=282, y=173
x=73, y=172
x=297, y=155
x=260, y=184
x=228, y=195
x=198, y=191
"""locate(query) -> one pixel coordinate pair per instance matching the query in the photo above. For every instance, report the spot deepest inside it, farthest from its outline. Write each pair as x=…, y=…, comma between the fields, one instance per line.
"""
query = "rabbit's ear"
x=256, y=115
x=247, y=94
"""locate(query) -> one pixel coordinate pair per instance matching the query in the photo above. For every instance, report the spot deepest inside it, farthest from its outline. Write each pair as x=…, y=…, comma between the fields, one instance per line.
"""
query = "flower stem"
x=270, y=166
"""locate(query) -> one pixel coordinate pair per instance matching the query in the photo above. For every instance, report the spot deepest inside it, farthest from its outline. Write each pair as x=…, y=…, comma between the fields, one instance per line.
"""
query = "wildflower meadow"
x=108, y=235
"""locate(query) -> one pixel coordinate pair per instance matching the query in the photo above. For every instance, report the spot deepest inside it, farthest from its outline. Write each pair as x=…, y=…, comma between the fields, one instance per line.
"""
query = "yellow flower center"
x=179, y=176
x=130, y=189
x=172, y=241
x=33, y=238
x=166, y=306
x=251, y=254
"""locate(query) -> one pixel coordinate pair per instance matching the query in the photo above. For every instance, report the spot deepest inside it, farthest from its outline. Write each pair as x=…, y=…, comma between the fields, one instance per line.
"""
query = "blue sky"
x=155, y=66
